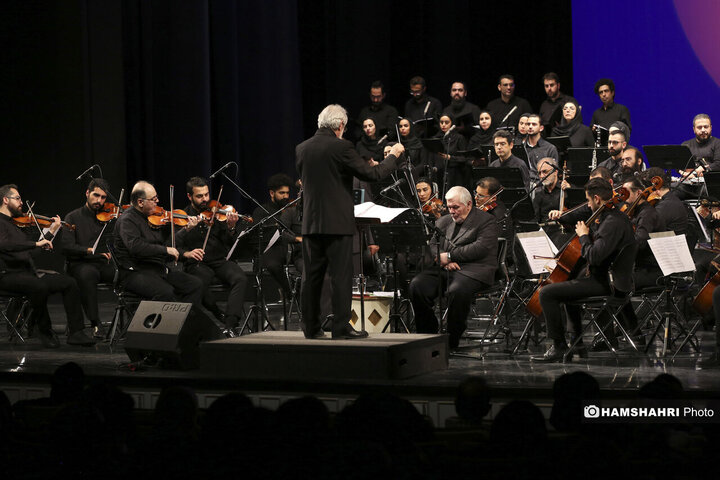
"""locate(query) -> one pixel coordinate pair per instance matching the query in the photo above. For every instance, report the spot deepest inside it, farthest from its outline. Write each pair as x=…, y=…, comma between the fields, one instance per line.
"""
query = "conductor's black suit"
x=327, y=165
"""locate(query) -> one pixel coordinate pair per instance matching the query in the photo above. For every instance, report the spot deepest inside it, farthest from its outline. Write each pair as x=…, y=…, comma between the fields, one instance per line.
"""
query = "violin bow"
x=212, y=219
x=172, y=220
x=32, y=215
x=117, y=214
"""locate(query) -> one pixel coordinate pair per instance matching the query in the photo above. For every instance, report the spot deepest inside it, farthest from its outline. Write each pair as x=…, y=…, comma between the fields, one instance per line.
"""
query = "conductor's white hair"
x=461, y=194
x=332, y=116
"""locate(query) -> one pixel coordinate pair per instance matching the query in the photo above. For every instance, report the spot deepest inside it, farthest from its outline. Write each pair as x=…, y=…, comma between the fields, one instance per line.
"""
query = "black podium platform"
x=289, y=355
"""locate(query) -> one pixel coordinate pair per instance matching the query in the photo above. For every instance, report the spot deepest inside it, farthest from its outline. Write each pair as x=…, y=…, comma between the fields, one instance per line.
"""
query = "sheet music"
x=538, y=244
x=370, y=210
x=97, y=240
x=272, y=241
x=672, y=254
x=232, y=249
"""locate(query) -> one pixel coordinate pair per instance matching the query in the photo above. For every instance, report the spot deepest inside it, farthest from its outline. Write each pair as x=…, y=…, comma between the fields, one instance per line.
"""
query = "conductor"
x=326, y=164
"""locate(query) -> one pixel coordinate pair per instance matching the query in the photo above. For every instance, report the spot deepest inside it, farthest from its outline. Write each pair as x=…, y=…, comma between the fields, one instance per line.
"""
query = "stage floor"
x=25, y=371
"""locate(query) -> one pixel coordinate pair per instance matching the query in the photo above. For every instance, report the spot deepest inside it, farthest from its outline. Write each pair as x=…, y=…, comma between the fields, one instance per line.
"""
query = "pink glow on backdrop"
x=700, y=20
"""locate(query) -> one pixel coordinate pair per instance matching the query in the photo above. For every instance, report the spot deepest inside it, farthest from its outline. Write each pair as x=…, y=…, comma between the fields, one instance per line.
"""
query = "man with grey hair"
x=704, y=145
x=467, y=262
x=327, y=165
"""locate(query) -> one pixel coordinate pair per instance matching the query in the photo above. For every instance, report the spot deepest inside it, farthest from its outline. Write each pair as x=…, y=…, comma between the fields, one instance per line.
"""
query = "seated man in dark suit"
x=468, y=254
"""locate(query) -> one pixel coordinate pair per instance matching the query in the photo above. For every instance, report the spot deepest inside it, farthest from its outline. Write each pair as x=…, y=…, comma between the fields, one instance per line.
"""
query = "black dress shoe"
x=80, y=338
x=315, y=334
x=553, y=354
x=348, y=333
x=48, y=339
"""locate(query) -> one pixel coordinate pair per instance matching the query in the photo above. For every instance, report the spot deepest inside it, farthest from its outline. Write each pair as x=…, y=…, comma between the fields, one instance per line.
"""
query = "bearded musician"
x=88, y=260
x=601, y=243
x=19, y=275
x=213, y=263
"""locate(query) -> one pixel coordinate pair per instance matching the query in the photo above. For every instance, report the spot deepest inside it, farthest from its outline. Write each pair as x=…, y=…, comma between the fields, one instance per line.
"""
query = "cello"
x=569, y=255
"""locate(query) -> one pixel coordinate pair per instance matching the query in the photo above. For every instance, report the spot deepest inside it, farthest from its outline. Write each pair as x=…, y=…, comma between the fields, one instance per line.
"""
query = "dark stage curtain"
x=166, y=89
x=344, y=46
x=210, y=82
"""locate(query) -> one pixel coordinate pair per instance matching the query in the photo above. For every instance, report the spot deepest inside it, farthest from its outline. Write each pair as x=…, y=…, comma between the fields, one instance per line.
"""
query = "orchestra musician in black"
x=600, y=243
x=146, y=261
x=19, y=275
x=88, y=260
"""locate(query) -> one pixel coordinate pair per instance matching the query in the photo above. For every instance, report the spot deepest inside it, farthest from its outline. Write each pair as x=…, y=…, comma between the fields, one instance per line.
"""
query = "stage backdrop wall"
x=662, y=56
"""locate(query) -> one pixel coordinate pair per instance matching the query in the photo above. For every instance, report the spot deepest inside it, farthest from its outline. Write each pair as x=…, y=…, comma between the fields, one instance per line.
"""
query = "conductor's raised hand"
x=397, y=150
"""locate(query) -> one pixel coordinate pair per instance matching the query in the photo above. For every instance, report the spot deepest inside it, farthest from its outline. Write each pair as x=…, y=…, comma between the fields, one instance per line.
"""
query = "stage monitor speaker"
x=170, y=332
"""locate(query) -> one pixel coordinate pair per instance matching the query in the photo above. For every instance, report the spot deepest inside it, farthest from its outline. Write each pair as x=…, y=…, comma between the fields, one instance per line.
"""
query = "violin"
x=488, y=207
x=110, y=211
x=489, y=203
x=434, y=206
x=161, y=217
x=569, y=255
x=651, y=191
x=29, y=219
x=221, y=212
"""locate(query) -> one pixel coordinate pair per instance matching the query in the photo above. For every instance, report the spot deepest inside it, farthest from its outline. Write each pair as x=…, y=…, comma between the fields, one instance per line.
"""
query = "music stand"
x=389, y=236
x=524, y=211
x=580, y=161
x=712, y=183
x=668, y=157
x=520, y=152
x=561, y=143
x=574, y=197
x=433, y=145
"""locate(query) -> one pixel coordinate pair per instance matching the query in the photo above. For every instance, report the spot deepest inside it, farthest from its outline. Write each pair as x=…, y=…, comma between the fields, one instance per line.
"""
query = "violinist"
x=143, y=255
x=19, y=275
x=671, y=209
x=601, y=242
x=432, y=206
x=486, y=199
x=86, y=266
x=213, y=263
x=645, y=220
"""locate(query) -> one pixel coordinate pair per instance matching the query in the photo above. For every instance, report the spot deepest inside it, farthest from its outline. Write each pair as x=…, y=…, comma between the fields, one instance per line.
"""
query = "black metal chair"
x=9, y=300
x=498, y=294
x=621, y=287
x=123, y=307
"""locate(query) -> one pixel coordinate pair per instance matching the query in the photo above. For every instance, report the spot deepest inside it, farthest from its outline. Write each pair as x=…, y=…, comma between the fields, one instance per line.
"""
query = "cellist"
x=601, y=242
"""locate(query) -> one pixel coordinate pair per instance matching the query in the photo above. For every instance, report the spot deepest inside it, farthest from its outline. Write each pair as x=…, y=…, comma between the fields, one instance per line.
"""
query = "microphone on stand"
x=86, y=172
x=392, y=186
x=449, y=130
x=222, y=169
x=384, y=137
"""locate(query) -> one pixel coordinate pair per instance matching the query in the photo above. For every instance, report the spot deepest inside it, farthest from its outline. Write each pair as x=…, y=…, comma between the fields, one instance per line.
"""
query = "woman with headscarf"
x=369, y=147
x=571, y=126
x=459, y=169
